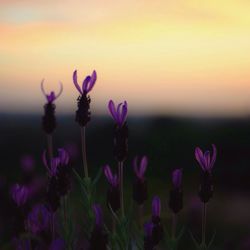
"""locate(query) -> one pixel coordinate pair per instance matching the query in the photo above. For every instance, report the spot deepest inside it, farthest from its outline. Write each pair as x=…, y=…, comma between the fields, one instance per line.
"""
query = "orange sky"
x=178, y=57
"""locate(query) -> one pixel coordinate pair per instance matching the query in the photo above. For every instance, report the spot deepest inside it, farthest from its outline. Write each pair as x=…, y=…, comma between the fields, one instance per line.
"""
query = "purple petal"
x=200, y=158
x=135, y=166
x=51, y=97
x=75, y=82
x=60, y=91
x=64, y=156
x=177, y=178
x=108, y=174
x=124, y=113
x=143, y=166
x=85, y=84
x=213, y=156
x=42, y=87
x=98, y=215
x=92, y=81
x=112, y=110
x=118, y=114
x=156, y=206
x=207, y=160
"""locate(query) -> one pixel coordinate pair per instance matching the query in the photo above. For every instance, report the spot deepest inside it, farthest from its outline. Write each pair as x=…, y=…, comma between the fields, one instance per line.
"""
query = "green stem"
x=174, y=224
x=50, y=146
x=84, y=155
x=120, y=165
x=204, y=221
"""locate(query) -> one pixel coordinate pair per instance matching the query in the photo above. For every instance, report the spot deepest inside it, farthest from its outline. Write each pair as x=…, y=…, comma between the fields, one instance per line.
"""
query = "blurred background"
x=182, y=66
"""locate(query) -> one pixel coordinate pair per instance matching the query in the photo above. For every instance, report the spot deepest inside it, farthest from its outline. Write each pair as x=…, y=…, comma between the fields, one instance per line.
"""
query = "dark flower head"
x=98, y=215
x=177, y=178
x=57, y=244
x=112, y=179
x=118, y=113
x=87, y=84
x=156, y=207
x=51, y=97
x=206, y=160
x=38, y=219
x=140, y=170
x=19, y=194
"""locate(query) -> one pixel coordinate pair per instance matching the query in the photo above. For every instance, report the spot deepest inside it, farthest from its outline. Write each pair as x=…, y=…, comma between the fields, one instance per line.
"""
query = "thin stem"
x=50, y=146
x=84, y=156
x=174, y=224
x=140, y=214
x=204, y=221
x=53, y=225
x=113, y=224
x=65, y=210
x=120, y=165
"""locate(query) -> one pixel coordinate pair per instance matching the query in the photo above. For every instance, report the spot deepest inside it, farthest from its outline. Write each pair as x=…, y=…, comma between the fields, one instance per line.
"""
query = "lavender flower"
x=19, y=194
x=113, y=194
x=206, y=162
x=176, y=195
x=49, y=119
x=83, y=111
x=157, y=231
x=38, y=219
x=118, y=113
x=140, y=190
x=59, y=177
x=98, y=239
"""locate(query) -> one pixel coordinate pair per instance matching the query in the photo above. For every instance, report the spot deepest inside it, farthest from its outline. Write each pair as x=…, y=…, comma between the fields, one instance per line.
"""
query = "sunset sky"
x=168, y=57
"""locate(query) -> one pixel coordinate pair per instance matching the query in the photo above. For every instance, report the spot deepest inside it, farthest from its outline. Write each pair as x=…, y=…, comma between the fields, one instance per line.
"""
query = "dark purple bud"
x=112, y=179
x=88, y=83
x=51, y=97
x=148, y=228
x=19, y=194
x=156, y=207
x=57, y=244
x=38, y=219
x=140, y=170
x=177, y=178
x=206, y=161
x=119, y=114
x=98, y=215
x=52, y=195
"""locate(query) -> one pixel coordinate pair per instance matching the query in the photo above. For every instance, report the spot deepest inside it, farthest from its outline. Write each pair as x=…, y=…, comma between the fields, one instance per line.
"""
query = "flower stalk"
x=84, y=153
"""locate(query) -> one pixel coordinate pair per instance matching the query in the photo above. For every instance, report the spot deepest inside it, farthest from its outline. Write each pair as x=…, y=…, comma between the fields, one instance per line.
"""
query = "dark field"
x=169, y=143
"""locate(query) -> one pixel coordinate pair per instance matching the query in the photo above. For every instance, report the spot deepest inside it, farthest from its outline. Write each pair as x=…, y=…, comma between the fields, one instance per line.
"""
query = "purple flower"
x=19, y=194
x=57, y=244
x=87, y=84
x=140, y=170
x=177, y=178
x=98, y=215
x=51, y=97
x=61, y=159
x=112, y=179
x=156, y=207
x=118, y=113
x=38, y=219
x=206, y=160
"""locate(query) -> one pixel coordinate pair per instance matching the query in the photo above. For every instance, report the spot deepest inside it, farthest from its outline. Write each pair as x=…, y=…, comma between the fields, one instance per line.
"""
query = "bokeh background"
x=182, y=66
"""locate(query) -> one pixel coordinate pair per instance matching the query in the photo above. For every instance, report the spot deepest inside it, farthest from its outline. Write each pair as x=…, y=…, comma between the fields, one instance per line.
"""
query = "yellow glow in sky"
x=180, y=57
